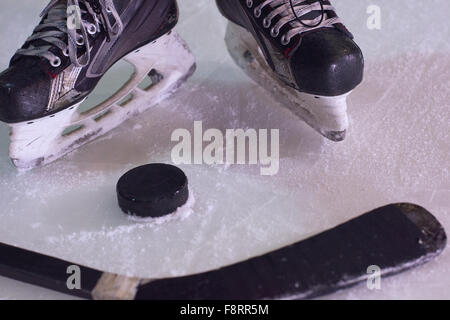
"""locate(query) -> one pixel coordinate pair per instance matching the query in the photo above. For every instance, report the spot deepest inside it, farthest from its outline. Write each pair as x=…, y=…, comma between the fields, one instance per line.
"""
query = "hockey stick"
x=393, y=238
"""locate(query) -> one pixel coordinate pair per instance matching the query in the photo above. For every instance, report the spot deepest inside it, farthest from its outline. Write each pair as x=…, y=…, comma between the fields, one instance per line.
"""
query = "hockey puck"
x=152, y=190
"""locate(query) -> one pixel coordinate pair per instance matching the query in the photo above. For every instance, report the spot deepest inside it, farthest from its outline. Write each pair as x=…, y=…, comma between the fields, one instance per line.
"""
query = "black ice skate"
x=300, y=51
x=76, y=42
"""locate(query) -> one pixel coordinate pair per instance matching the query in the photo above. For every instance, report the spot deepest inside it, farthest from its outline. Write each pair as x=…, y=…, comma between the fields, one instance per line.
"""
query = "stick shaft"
x=45, y=271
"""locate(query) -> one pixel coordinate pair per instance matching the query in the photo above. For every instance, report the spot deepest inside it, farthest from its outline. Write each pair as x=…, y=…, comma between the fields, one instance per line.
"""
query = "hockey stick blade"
x=394, y=238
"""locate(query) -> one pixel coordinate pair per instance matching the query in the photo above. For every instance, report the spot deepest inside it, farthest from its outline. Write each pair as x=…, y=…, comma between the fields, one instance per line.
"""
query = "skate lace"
x=299, y=14
x=65, y=19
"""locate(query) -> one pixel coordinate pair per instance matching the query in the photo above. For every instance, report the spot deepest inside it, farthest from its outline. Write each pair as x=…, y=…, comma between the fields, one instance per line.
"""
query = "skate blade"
x=327, y=115
x=168, y=62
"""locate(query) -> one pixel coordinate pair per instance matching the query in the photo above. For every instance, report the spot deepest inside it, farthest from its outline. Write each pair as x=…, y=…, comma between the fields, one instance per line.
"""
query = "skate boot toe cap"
x=19, y=105
x=328, y=63
x=22, y=96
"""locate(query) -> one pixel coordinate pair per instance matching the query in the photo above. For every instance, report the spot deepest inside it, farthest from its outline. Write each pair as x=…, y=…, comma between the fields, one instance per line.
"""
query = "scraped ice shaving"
x=181, y=213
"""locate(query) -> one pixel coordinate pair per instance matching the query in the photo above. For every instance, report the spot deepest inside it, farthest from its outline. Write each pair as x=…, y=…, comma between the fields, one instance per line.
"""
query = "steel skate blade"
x=168, y=63
x=326, y=115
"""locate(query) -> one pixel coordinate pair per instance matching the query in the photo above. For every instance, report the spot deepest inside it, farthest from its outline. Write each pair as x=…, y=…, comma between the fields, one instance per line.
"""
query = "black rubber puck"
x=153, y=190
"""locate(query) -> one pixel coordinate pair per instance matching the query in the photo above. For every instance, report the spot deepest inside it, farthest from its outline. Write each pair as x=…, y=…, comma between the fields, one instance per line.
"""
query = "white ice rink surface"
x=397, y=150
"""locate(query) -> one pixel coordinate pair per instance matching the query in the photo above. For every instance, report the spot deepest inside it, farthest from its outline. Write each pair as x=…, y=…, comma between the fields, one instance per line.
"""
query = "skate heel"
x=167, y=61
x=327, y=115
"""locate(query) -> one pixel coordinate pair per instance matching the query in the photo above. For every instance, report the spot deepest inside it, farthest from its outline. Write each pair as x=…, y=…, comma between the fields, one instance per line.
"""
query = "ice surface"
x=397, y=150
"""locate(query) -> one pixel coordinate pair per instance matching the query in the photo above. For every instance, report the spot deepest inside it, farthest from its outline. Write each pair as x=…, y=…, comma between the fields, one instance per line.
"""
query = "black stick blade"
x=394, y=238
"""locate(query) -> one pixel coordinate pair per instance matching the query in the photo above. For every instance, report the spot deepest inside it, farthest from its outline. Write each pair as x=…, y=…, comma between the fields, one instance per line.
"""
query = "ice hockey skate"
x=60, y=65
x=300, y=51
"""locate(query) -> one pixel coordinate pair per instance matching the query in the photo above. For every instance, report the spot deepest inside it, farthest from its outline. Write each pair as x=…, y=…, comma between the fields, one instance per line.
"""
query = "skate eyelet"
x=108, y=9
x=55, y=63
x=65, y=52
x=266, y=23
x=249, y=3
x=274, y=33
x=257, y=12
x=80, y=41
x=285, y=41
x=92, y=29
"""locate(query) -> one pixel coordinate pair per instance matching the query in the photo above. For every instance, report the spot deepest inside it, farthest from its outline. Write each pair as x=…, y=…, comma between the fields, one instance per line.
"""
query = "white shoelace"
x=55, y=27
x=291, y=12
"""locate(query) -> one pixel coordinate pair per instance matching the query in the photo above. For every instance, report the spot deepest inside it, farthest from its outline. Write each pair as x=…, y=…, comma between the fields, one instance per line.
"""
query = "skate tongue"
x=311, y=11
x=307, y=16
